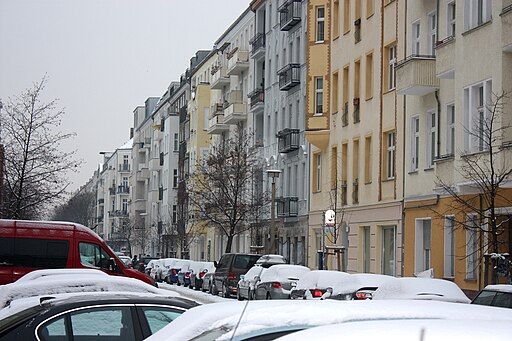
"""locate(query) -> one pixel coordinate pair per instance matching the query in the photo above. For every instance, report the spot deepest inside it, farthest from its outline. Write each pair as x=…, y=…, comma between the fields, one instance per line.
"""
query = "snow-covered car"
x=196, y=278
x=363, y=287
x=247, y=283
x=267, y=261
x=408, y=329
x=413, y=288
x=496, y=295
x=208, y=281
x=126, y=260
x=278, y=281
x=174, y=269
x=90, y=316
x=272, y=319
x=314, y=284
x=184, y=273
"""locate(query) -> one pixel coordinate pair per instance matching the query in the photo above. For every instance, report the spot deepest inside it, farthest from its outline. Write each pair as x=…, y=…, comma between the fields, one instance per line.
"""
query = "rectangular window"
x=334, y=167
x=124, y=205
x=176, y=142
x=449, y=247
x=174, y=214
x=415, y=142
x=206, y=117
x=319, y=96
x=471, y=246
x=175, y=178
x=431, y=139
x=476, y=116
x=369, y=76
x=34, y=253
x=335, y=95
x=388, y=250
x=336, y=19
x=450, y=129
x=318, y=180
x=320, y=24
x=369, y=8
x=451, y=19
x=357, y=9
x=366, y=249
x=357, y=74
x=346, y=16
x=476, y=12
x=345, y=88
x=391, y=54
x=390, y=155
x=432, y=33
x=423, y=245
x=416, y=38
x=355, y=171
x=368, y=160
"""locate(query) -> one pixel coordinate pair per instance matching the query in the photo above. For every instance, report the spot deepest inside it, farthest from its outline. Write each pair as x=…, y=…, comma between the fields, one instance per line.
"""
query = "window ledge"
x=413, y=172
x=428, y=169
x=369, y=16
x=319, y=42
x=318, y=114
x=346, y=32
x=369, y=98
x=336, y=37
x=470, y=154
x=472, y=280
x=388, y=180
x=368, y=183
x=388, y=91
x=449, y=278
x=389, y=3
x=443, y=158
x=476, y=28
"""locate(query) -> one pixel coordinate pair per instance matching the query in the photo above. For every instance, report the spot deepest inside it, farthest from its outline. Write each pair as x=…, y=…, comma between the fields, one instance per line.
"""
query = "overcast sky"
x=103, y=58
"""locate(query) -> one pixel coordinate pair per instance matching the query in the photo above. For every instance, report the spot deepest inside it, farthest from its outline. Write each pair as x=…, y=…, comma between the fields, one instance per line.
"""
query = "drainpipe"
x=403, y=151
x=437, y=91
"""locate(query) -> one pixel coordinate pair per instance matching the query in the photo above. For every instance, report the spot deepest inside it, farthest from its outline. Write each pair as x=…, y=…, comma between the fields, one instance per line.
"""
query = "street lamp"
x=274, y=174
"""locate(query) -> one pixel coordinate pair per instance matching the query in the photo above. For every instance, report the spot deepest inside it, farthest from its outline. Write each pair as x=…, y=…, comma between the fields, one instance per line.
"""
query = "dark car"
x=143, y=262
x=228, y=271
x=93, y=316
x=497, y=295
x=196, y=279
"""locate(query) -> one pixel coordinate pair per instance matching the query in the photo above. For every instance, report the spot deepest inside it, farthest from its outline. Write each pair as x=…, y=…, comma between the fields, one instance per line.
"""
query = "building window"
x=176, y=142
x=449, y=247
x=346, y=16
x=320, y=23
x=124, y=205
x=476, y=116
x=391, y=54
x=476, y=12
x=368, y=160
x=318, y=173
x=319, y=98
x=366, y=248
x=415, y=142
x=450, y=129
x=451, y=19
x=336, y=19
x=432, y=33
x=334, y=168
x=388, y=250
x=175, y=178
x=423, y=237
x=369, y=76
x=174, y=214
x=335, y=95
x=471, y=246
x=390, y=155
x=369, y=8
x=431, y=139
x=416, y=38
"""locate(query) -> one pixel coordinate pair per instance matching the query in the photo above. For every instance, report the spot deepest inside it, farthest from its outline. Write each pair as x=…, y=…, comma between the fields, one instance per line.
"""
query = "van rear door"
x=6, y=253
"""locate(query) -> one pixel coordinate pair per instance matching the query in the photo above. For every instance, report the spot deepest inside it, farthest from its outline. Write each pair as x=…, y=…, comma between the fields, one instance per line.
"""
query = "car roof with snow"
x=499, y=287
x=221, y=318
x=282, y=272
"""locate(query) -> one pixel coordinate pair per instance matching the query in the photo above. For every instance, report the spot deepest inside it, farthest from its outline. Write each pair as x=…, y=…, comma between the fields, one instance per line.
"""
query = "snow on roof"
x=420, y=289
x=127, y=145
x=73, y=282
x=37, y=274
x=321, y=279
x=499, y=287
x=278, y=313
x=282, y=272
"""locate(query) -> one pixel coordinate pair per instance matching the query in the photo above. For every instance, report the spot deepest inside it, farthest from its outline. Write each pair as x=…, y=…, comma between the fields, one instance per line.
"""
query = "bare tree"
x=220, y=188
x=79, y=209
x=484, y=173
x=35, y=167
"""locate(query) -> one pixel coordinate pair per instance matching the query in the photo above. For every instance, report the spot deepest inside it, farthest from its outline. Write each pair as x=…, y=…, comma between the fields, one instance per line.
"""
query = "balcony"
x=258, y=46
x=183, y=114
x=217, y=125
x=112, y=190
x=142, y=174
x=287, y=207
x=124, y=167
x=154, y=164
x=118, y=213
x=219, y=77
x=236, y=109
x=257, y=100
x=289, y=76
x=445, y=58
x=506, y=28
x=416, y=76
x=238, y=61
x=289, y=140
x=216, y=109
x=123, y=189
x=289, y=14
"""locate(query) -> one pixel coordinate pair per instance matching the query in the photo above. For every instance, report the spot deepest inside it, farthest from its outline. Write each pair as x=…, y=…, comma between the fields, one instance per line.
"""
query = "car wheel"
x=268, y=296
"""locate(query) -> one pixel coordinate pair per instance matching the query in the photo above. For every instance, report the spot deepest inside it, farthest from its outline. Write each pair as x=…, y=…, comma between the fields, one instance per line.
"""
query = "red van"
x=31, y=245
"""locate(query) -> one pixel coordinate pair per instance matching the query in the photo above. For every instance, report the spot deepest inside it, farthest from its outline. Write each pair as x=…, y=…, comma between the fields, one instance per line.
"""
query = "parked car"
x=56, y=245
x=497, y=295
x=184, y=274
x=228, y=271
x=143, y=263
x=196, y=277
x=271, y=319
x=126, y=260
x=412, y=288
x=174, y=269
x=314, y=284
x=247, y=283
x=208, y=281
x=267, y=261
x=278, y=281
x=94, y=316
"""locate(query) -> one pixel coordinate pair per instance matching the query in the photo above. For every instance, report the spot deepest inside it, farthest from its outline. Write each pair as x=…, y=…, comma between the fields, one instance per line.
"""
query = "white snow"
x=195, y=295
x=499, y=287
x=288, y=313
x=283, y=273
x=420, y=289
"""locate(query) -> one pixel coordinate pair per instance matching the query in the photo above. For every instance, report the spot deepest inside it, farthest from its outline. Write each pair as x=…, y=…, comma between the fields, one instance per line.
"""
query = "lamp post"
x=274, y=174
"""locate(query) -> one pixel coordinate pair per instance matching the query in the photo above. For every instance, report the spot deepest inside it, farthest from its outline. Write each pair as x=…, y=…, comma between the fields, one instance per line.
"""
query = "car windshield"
x=245, y=261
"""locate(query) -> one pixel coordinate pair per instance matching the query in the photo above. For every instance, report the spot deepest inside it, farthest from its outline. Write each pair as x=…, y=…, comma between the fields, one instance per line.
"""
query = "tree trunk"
x=229, y=244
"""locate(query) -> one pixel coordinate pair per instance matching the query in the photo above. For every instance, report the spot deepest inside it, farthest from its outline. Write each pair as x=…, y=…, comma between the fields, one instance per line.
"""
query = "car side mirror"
x=215, y=264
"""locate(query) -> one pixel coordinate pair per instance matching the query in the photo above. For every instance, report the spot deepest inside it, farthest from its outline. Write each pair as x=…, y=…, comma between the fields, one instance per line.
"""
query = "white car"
x=278, y=281
x=248, y=282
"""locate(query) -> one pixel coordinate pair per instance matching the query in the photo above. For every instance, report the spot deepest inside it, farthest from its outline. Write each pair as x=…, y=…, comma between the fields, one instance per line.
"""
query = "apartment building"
x=458, y=59
x=230, y=82
x=354, y=120
x=277, y=103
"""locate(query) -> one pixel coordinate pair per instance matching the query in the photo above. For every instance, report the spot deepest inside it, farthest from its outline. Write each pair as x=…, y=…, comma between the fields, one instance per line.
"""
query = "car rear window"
x=245, y=261
x=34, y=253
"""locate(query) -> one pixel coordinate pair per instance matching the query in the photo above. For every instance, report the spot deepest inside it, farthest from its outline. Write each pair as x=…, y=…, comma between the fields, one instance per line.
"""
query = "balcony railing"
x=118, y=213
x=123, y=189
x=356, y=110
x=357, y=30
x=238, y=61
x=217, y=125
x=219, y=77
x=258, y=45
x=112, y=190
x=289, y=14
x=183, y=114
x=217, y=109
x=289, y=76
x=355, y=191
x=235, y=109
x=124, y=167
x=344, y=116
x=257, y=97
x=287, y=206
x=288, y=140
x=416, y=75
